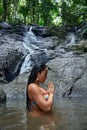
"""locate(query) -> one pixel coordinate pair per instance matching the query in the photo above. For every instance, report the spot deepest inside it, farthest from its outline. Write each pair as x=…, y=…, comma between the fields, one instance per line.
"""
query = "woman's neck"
x=36, y=82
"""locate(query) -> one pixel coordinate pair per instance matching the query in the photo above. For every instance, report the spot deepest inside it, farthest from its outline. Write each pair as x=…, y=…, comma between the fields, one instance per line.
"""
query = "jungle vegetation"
x=44, y=12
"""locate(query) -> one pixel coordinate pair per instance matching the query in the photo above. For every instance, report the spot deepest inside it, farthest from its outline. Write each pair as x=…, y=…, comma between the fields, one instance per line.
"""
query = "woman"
x=37, y=98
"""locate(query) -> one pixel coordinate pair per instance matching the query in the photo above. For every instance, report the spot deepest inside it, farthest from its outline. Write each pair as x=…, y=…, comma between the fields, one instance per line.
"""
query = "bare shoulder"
x=33, y=87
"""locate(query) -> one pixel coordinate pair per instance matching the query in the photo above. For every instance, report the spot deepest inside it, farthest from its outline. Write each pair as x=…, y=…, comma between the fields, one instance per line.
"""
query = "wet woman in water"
x=37, y=98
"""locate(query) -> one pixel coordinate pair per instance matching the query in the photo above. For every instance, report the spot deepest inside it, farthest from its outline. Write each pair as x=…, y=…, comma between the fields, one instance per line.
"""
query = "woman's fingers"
x=51, y=87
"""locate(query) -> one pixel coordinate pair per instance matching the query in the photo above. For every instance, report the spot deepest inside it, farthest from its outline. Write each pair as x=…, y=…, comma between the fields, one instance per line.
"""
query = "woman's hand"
x=50, y=88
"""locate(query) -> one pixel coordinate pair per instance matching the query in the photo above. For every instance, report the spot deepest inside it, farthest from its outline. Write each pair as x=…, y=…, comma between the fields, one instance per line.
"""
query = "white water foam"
x=28, y=39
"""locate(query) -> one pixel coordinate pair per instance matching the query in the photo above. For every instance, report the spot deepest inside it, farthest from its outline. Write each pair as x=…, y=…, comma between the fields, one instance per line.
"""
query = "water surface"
x=68, y=114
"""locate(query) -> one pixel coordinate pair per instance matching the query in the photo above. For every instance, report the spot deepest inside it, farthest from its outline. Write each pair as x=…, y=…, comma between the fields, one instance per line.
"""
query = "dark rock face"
x=40, y=57
x=12, y=66
x=41, y=31
x=11, y=59
x=12, y=52
x=69, y=75
x=2, y=96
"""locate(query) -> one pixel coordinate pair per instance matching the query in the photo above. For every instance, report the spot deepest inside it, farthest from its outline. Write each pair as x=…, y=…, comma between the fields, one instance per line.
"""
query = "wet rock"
x=41, y=31
x=40, y=57
x=5, y=25
x=69, y=75
x=2, y=96
x=11, y=59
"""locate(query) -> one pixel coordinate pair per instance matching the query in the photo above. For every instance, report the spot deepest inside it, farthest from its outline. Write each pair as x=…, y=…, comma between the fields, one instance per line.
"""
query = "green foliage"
x=74, y=12
x=44, y=12
x=1, y=10
x=24, y=11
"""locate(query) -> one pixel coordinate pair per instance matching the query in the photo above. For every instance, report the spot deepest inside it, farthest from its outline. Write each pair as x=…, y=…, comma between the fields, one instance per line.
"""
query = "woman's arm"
x=36, y=94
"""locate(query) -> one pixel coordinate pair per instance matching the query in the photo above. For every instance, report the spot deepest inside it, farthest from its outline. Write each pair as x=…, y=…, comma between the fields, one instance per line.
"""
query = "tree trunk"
x=5, y=9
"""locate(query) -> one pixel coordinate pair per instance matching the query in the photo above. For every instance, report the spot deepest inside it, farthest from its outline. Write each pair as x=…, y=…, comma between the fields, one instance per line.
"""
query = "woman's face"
x=43, y=75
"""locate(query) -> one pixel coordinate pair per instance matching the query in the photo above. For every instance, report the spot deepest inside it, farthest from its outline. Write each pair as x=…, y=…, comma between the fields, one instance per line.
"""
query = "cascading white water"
x=26, y=64
x=28, y=39
x=71, y=39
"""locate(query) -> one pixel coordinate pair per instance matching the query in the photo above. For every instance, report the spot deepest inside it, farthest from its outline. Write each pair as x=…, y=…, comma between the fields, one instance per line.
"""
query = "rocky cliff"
x=65, y=53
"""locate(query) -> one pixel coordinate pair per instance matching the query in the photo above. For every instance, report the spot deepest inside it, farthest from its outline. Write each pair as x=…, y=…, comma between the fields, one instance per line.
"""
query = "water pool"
x=68, y=114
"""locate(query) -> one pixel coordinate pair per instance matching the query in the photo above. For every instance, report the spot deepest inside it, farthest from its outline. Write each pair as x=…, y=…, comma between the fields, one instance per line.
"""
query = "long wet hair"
x=33, y=75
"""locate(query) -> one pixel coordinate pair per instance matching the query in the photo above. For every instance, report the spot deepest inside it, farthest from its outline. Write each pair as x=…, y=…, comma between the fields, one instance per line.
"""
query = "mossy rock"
x=82, y=46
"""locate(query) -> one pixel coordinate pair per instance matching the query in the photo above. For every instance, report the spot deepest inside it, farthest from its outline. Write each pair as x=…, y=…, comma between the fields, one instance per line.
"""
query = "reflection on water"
x=68, y=114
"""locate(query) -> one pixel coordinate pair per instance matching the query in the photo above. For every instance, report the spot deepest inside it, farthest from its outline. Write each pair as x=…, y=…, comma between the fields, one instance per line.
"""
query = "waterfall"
x=28, y=40
x=36, y=48
x=71, y=39
x=26, y=64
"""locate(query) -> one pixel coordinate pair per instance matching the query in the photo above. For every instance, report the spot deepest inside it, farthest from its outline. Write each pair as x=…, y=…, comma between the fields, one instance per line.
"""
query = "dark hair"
x=33, y=75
